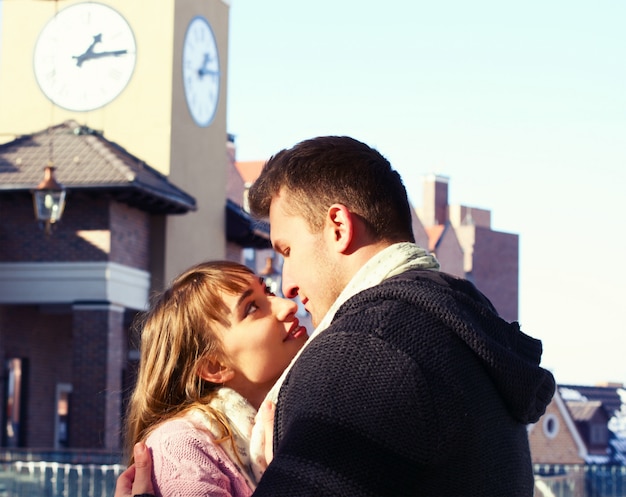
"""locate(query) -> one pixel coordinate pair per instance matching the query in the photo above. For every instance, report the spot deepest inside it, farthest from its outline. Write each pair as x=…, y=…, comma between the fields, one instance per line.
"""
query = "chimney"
x=435, y=204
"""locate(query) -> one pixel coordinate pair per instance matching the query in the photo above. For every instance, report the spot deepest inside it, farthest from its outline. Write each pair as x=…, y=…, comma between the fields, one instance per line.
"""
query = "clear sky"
x=521, y=104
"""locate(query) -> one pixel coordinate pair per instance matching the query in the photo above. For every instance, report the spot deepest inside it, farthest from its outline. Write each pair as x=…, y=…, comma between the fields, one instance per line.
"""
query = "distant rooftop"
x=249, y=170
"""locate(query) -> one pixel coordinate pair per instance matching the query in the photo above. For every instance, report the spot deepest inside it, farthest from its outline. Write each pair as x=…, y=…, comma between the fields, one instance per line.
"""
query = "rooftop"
x=84, y=160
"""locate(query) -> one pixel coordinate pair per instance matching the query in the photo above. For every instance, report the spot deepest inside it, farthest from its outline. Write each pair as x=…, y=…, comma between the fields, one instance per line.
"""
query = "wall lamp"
x=49, y=199
x=272, y=277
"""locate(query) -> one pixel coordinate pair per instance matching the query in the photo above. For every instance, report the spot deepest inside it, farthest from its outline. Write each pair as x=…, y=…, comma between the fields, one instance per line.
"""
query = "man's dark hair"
x=322, y=171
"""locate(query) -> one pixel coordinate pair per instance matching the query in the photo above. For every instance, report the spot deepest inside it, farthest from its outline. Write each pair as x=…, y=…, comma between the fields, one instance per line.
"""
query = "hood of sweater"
x=510, y=357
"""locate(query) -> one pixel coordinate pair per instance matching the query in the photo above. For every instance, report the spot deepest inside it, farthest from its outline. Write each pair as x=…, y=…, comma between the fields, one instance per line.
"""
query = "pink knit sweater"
x=188, y=463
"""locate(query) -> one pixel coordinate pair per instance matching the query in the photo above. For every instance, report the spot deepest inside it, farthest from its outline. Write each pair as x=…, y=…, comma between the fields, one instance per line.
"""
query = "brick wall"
x=449, y=253
x=98, y=348
x=91, y=229
x=130, y=231
x=23, y=240
x=495, y=270
x=83, y=346
x=560, y=447
x=43, y=337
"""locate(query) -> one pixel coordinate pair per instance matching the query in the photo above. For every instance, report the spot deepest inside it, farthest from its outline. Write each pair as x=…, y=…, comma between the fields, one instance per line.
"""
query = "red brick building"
x=462, y=239
x=67, y=299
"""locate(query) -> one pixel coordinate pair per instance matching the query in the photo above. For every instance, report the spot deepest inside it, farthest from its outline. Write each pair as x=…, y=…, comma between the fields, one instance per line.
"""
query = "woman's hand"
x=261, y=439
x=136, y=481
x=266, y=418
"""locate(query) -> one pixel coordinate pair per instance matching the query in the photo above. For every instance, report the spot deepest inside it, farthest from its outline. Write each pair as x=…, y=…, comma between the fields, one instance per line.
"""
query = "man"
x=411, y=383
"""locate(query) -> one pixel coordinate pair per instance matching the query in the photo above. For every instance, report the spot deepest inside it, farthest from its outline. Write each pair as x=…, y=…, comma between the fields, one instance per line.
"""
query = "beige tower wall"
x=139, y=119
x=198, y=165
x=149, y=118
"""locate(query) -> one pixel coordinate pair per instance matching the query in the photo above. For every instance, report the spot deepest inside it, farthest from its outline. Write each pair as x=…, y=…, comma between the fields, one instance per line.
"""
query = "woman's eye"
x=252, y=307
x=268, y=291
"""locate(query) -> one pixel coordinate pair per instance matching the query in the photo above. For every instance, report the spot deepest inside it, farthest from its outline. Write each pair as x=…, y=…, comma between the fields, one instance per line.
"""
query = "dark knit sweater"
x=416, y=388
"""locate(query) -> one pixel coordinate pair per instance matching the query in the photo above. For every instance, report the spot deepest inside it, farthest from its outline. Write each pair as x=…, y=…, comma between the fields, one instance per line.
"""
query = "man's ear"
x=340, y=227
x=215, y=372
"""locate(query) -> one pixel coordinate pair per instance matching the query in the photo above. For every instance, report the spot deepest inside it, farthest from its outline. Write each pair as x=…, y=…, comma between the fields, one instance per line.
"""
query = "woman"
x=212, y=345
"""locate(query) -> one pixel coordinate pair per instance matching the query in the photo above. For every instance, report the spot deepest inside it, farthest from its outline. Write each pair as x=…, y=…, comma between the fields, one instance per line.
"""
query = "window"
x=550, y=425
x=62, y=415
x=14, y=427
x=598, y=434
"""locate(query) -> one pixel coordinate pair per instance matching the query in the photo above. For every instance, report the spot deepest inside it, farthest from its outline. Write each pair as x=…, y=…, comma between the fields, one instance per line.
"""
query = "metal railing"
x=75, y=474
x=590, y=480
x=26, y=474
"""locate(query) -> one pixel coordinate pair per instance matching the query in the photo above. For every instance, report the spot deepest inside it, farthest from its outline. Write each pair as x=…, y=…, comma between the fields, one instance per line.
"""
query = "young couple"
x=411, y=384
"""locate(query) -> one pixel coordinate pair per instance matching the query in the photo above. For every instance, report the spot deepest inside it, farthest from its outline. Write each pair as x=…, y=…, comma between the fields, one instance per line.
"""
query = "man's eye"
x=268, y=291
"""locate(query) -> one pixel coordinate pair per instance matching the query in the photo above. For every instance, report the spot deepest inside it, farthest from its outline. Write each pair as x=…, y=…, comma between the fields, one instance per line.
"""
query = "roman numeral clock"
x=85, y=56
x=150, y=75
x=201, y=71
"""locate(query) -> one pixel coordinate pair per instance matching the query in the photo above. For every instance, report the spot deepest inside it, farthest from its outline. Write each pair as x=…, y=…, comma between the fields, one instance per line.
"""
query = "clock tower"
x=151, y=76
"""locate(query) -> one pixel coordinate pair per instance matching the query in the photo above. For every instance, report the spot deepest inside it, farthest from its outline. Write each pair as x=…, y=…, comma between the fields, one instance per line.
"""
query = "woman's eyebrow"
x=244, y=296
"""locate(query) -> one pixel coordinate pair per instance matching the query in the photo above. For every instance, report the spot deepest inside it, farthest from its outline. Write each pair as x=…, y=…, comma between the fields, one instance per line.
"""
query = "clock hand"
x=87, y=54
x=113, y=53
x=203, y=71
x=90, y=54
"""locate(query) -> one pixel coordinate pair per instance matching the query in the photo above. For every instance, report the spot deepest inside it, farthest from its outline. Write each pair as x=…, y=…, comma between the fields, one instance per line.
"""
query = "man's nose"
x=290, y=289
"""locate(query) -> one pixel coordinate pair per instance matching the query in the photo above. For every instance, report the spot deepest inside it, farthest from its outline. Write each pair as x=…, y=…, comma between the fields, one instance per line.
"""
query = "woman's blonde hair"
x=177, y=335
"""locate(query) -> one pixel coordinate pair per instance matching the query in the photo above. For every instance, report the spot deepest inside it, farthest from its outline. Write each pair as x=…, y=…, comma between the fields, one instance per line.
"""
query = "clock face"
x=201, y=71
x=84, y=56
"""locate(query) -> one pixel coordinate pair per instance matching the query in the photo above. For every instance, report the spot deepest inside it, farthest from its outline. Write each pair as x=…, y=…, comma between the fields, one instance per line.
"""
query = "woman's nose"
x=285, y=308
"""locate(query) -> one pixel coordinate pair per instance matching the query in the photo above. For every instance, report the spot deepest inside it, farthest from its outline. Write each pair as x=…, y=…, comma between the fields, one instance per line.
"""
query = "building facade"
x=153, y=186
x=130, y=109
x=462, y=239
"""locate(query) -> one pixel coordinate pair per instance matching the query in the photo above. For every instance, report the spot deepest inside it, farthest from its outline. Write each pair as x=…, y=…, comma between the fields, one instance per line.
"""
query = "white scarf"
x=391, y=261
x=240, y=415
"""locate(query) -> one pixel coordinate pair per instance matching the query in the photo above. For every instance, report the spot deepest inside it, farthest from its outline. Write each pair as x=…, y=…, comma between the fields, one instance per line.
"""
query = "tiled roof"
x=583, y=410
x=608, y=395
x=434, y=235
x=84, y=160
x=249, y=170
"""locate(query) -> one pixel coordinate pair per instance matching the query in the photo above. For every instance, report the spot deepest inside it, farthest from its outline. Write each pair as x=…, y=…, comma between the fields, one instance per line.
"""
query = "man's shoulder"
x=406, y=285
x=387, y=307
x=428, y=277
x=426, y=283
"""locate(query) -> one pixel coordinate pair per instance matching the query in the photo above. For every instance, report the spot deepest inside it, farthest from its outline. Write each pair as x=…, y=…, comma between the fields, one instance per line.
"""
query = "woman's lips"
x=296, y=331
